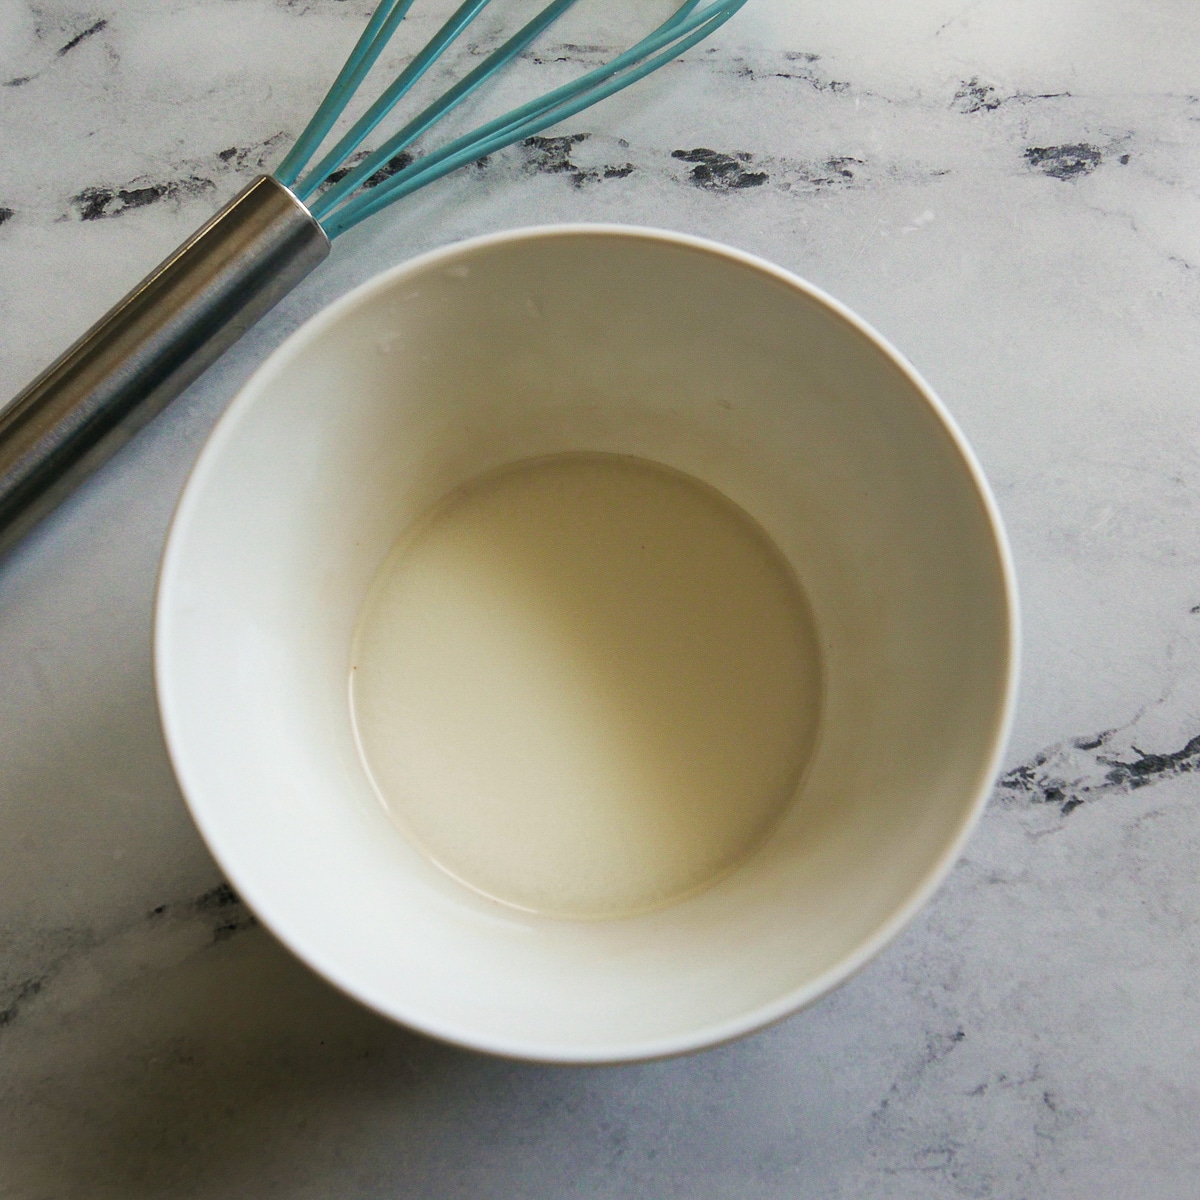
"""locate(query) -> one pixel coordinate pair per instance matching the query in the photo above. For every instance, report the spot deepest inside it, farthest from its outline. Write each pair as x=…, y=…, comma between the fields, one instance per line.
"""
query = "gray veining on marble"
x=1008, y=190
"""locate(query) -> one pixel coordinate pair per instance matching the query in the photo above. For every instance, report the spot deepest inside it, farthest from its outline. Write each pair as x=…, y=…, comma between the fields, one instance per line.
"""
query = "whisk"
x=237, y=266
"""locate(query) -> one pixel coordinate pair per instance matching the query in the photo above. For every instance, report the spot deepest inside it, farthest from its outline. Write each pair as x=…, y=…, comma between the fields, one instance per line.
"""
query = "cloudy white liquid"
x=586, y=685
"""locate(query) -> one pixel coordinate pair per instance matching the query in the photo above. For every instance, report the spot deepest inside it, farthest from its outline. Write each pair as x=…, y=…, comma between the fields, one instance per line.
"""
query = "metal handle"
x=181, y=318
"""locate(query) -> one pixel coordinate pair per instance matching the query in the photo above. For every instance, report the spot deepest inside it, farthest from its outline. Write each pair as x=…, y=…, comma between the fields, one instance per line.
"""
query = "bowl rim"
x=171, y=706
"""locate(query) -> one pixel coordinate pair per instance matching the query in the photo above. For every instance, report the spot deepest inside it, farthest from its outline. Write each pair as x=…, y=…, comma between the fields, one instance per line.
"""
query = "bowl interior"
x=599, y=339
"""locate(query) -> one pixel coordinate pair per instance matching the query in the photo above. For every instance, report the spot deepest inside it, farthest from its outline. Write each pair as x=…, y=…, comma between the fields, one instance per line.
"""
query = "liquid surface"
x=586, y=685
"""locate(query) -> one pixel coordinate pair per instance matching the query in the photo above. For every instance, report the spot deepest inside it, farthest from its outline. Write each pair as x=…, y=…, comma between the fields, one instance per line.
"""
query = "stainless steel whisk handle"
x=150, y=346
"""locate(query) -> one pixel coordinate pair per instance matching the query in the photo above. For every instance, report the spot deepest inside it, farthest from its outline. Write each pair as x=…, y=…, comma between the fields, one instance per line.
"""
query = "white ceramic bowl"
x=606, y=339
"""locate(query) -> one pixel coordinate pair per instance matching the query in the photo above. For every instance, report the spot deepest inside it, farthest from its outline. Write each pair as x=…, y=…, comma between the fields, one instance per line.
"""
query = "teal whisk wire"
x=362, y=58
x=513, y=119
x=460, y=91
x=393, y=94
x=361, y=192
x=506, y=131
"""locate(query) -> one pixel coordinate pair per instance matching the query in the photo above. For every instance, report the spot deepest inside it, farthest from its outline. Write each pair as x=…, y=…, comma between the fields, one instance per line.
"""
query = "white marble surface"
x=1010, y=190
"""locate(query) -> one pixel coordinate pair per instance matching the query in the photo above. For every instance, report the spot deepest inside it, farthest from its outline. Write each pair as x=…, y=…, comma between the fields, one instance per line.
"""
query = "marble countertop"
x=1007, y=189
